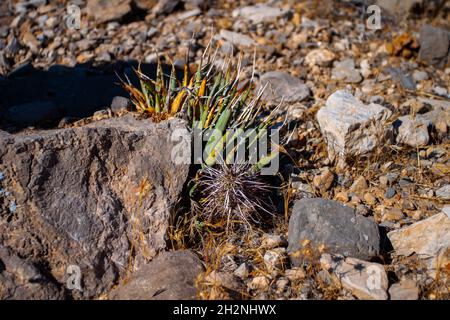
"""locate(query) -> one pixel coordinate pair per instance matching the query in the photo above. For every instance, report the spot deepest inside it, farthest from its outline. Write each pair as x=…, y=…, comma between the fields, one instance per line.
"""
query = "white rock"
x=420, y=75
x=260, y=13
x=413, y=131
x=260, y=282
x=270, y=241
x=352, y=128
x=242, y=271
x=366, y=280
x=345, y=70
x=429, y=239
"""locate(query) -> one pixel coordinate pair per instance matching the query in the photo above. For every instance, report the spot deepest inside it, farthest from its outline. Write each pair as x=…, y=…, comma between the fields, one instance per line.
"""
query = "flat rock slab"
x=352, y=128
x=337, y=227
x=366, y=280
x=283, y=86
x=170, y=276
x=429, y=239
x=77, y=194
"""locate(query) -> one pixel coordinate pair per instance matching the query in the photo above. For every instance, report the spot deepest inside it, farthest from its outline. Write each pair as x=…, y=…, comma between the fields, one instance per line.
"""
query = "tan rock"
x=370, y=199
x=324, y=180
x=391, y=214
x=429, y=239
x=295, y=274
x=359, y=185
x=259, y=283
x=275, y=258
x=366, y=280
x=404, y=290
x=341, y=196
x=320, y=57
x=270, y=241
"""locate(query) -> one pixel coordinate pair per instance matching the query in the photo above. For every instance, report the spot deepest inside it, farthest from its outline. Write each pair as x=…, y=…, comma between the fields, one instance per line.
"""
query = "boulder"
x=352, y=128
x=170, y=276
x=83, y=195
x=338, y=227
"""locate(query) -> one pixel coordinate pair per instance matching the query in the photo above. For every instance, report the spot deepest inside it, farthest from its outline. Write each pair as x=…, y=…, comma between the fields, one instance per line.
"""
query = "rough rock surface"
x=75, y=196
x=170, y=276
x=429, y=239
x=329, y=223
x=282, y=85
x=352, y=128
x=21, y=280
x=366, y=280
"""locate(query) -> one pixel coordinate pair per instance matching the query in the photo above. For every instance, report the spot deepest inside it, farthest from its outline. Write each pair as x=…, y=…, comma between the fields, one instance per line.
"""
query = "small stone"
x=320, y=57
x=341, y=196
x=260, y=13
x=282, y=86
x=270, y=241
x=224, y=279
x=281, y=285
x=359, y=185
x=443, y=192
x=392, y=215
x=404, y=290
x=295, y=274
x=345, y=70
x=120, y=104
x=242, y=271
x=384, y=180
x=274, y=259
x=440, y=91
x=324, y=181
x=237, y=39
x=390, y=193
x=420, y=75
x=370, y=199
x=259, y=283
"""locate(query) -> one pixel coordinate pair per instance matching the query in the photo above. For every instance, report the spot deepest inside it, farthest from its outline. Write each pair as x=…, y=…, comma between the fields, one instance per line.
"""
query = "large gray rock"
x=434, y=46
x=329, y=223
x=170, y=276
x=352, y=128
x=282, y=85
x=81, y=196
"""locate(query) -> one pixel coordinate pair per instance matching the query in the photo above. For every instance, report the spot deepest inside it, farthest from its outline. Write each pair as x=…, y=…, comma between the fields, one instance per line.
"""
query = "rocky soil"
x=363, y=197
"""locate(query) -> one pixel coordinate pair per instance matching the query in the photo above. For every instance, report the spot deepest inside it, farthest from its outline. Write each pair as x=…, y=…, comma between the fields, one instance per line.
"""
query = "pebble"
x=390, y=193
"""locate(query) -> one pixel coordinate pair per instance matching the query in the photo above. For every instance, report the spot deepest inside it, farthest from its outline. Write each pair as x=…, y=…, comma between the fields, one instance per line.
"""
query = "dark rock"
x=170, y=276
x=434, y=46
x=21, y=280
x=283, y=85
x=390, y=192
x=77, y=195
x=329, y=223
x=33, y=113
